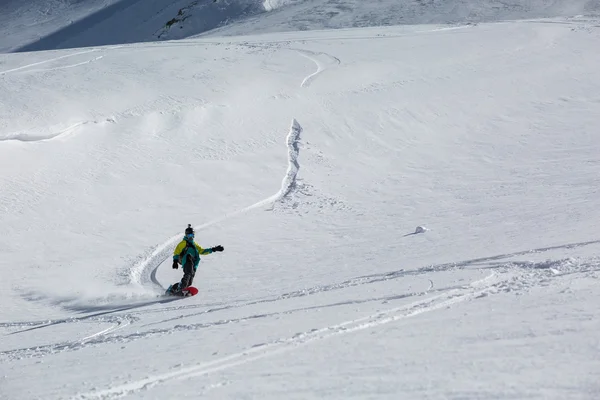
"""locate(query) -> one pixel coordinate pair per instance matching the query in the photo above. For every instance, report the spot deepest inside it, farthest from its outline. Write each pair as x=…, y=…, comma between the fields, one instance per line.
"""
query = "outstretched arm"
x=210, y=250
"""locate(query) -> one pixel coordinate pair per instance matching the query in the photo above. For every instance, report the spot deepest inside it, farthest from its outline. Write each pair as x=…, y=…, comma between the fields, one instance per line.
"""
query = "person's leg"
x=188, y=275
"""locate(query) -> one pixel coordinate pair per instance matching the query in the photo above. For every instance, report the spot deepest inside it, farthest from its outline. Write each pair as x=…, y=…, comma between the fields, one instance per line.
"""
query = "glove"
x=217, y=248
x=175, y=264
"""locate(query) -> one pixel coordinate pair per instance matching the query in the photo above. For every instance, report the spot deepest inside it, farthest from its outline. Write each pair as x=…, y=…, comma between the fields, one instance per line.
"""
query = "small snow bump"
x=421, y=229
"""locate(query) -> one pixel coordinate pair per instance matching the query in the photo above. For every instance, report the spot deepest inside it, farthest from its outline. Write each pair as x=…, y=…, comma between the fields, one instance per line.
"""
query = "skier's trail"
x=512, y=277
x=115, y=327
x=472, y=291
x=489, y=262
x=67, y=66
x=146, y=270
x=317, y=57
x=162, y=252
x=47, y=61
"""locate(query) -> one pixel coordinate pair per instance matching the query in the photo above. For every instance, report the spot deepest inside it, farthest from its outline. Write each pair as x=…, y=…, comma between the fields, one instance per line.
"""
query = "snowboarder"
x=187, y=253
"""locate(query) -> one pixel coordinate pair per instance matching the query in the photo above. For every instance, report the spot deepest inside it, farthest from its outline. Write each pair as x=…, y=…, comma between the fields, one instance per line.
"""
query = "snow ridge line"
x=24, y=137
x=474, y=290
x=145, y=270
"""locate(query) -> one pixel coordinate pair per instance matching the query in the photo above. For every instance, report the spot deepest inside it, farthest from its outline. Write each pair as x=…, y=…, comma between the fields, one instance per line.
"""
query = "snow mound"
x=420, y=229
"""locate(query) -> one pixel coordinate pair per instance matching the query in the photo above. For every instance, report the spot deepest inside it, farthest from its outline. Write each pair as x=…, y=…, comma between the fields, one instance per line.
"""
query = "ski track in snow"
x=28, y=137
x=146, y=269
x=477, y=289
x=321, y=66
x=510, y=277
x=119, y=325
x=51, y=60
x=480, y=263
x=67, y=66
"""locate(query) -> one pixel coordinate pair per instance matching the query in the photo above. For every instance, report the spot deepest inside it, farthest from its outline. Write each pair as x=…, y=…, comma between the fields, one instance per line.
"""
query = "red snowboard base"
x=189, y=291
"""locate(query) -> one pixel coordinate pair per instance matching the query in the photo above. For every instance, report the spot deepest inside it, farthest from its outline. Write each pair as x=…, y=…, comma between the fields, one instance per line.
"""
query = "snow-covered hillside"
x=311, y=157
x=57, y=24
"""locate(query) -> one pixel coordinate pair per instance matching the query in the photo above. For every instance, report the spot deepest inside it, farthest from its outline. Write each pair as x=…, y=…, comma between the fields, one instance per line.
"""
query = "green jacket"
x=191, y=249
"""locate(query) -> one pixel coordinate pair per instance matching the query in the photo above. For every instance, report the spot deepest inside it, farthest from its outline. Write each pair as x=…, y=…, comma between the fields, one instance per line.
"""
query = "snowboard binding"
x=174, y=290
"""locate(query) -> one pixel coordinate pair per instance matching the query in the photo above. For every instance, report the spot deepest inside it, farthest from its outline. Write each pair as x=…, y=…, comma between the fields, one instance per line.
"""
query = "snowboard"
x=187, y=292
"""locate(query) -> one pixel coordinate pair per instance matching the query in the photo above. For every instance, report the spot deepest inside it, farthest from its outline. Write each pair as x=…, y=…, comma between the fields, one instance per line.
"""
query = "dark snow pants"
x=188, y=274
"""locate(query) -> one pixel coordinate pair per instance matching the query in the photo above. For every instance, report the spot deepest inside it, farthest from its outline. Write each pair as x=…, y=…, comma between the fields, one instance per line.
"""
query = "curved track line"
x=103, y=332
x=115, y=327
x=320, y=68
x=313, y=56
x=515, y=277
x=96, y=339
x=257, y=352
x=151, y=263
x=489, y=262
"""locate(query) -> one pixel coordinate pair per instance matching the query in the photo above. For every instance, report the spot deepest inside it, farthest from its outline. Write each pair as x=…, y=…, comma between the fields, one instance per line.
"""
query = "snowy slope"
x=54, y=24
x=294, y=15
x=311, y=157
x=25, y=22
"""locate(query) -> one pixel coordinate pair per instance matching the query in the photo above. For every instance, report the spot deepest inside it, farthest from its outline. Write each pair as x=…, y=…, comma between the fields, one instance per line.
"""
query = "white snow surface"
x=311, y=157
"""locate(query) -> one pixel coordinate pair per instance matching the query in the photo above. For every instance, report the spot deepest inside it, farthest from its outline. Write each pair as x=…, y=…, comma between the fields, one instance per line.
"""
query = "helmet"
x=189, y=233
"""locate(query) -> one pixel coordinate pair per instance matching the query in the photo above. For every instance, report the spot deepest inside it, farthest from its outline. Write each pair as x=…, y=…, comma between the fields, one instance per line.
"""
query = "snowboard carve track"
x=314, y=57
x=474, y=290
x=115, y=327
x=146, y=269
x=512, y=277
x=489, y=262
x=101, y=338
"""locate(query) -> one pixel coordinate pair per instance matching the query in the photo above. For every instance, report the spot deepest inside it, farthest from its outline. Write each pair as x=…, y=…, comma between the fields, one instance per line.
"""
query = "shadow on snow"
x=123, y=22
